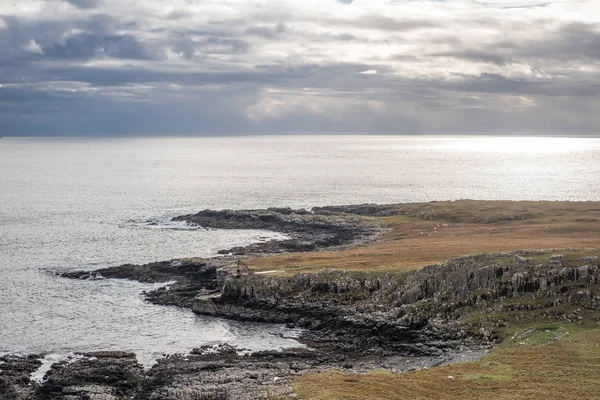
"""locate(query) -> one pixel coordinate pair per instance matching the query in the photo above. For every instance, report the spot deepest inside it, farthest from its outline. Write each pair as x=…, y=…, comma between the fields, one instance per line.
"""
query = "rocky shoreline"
x=352, y=321
x=312, y=230
x=210, y=372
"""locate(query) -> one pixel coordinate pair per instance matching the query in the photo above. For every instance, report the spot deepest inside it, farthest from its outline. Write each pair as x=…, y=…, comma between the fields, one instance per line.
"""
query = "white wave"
x=163, y=223
x=47, y=361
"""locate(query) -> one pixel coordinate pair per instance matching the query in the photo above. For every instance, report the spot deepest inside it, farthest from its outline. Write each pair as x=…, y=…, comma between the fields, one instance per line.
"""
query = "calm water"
x=84, y=203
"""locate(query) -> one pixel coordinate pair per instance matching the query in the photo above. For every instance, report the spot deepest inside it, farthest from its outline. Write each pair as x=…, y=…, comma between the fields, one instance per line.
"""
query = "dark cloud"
x=574, y=42
x=159, y=70
x=179, y=14
x=479, y=56
x=385, y=23
x=85, y=4
x=217, y=45
x=268, y=32
x=86, y=45
x=95, y=114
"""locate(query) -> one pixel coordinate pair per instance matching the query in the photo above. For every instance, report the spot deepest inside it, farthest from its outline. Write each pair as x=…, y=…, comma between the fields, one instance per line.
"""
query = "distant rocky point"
x=317, y=229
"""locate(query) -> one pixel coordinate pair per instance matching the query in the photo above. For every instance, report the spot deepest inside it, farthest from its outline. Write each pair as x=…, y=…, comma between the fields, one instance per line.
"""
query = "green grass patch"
x=563, y=369
x=397, y=219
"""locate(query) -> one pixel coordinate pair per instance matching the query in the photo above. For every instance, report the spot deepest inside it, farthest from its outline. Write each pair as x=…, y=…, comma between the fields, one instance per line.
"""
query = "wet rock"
x=103, y=375
x=202, y=272
x=15, y=373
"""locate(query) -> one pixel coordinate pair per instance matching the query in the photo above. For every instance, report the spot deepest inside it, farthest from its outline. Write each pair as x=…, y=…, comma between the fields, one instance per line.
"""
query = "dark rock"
x=15, y=372
x=220, y=372
x=307, y=231
x=199, y=272
x=103, y=375
x=418, y=314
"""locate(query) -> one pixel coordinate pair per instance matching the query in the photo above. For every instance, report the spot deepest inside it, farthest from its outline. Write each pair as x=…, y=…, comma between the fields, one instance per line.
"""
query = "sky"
x=224, y=67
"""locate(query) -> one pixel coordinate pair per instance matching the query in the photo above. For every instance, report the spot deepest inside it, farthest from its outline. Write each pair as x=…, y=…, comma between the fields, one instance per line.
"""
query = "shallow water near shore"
x=92, y=203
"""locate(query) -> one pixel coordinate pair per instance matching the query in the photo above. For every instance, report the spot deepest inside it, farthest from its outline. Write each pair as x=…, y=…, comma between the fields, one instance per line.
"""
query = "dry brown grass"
x=565, y=369
x=454, y=229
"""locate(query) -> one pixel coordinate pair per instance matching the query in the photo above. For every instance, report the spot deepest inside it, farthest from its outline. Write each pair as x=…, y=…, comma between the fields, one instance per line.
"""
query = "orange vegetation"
x=428, y=233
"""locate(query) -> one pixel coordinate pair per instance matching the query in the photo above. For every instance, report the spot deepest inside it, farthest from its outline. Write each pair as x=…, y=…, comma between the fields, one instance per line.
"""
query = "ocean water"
x=85, y=203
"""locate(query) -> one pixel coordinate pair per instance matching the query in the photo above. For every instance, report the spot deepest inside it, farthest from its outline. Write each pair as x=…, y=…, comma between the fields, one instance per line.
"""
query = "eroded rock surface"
x=15, y=376
x=223, y=374
x=107, y=375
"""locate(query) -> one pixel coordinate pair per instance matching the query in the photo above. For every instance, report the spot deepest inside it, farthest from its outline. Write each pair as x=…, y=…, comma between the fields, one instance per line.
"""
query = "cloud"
x=33, y=47
x=85, y=4
x=86, y=45
x=212, y=67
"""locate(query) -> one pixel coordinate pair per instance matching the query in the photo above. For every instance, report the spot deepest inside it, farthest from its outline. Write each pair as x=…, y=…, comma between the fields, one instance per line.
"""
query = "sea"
x=88, y=203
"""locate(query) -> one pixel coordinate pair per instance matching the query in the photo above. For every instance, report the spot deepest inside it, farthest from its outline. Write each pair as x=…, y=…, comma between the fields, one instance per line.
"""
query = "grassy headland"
x=428, y=233
x=539, y=357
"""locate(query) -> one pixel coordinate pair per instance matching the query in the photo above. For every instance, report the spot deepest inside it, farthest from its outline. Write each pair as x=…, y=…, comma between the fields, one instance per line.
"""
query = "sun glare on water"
x=520, y=144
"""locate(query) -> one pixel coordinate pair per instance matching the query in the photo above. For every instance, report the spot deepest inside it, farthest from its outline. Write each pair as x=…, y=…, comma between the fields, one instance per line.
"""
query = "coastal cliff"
x=420, y=311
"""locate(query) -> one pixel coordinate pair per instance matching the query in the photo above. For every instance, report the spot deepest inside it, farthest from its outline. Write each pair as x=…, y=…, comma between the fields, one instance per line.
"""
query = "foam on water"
x=163, y=223
x=49, y=359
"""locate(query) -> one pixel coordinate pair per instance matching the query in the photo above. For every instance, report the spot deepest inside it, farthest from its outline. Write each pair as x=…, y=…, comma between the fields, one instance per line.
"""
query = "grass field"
x=429, y=233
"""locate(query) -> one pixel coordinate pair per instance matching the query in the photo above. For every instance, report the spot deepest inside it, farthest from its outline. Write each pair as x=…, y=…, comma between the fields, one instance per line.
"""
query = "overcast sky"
x=117, y=67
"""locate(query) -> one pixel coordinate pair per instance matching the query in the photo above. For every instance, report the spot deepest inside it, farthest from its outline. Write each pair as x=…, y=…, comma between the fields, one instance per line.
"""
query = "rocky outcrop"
x=107, y=375
x=306, y=230
x=490, y=277
x=418, y=312
x=199, y=271
x=15, y=376
x=189, y=277
x=211, y=372
x=365, y=210
x=342, y=310
x=355, y=312
x=221, y=373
